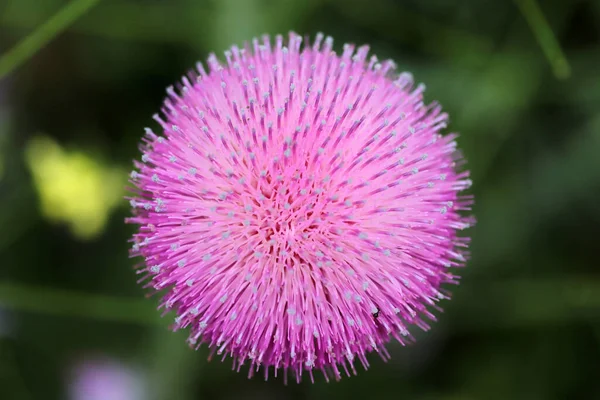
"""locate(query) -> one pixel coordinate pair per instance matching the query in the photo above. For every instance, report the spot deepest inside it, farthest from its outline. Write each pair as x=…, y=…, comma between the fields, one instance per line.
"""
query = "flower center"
x=287, y=213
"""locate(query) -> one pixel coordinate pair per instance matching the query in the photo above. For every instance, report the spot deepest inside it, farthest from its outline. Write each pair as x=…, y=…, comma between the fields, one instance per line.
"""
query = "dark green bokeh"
x=524, y=323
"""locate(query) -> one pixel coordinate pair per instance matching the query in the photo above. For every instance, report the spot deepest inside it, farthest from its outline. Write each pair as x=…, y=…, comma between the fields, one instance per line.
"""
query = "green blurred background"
x=521, y=82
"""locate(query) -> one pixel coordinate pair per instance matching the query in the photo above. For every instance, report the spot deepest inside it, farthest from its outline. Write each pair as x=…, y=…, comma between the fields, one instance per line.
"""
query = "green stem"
x=27, y=47
x=545, y=37
x=51, y=301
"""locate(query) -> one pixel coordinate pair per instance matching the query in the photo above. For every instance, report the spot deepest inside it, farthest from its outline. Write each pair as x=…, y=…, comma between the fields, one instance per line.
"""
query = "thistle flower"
x=301, y=209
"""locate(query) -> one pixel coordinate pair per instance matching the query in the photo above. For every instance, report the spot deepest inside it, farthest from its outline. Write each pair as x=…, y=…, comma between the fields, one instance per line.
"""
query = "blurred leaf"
x=21, y=219
x=175, y=367
x=84, y=305
x=239, y=21
x=73, y=187
x=454, y=44
x=236, y=22
x=127, y=21
x=12, y=380
x=507, y=212
x=522, y=303
x=493, y=103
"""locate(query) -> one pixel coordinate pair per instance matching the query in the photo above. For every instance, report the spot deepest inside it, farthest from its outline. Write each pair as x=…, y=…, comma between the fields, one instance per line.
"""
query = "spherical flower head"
x=300, y=208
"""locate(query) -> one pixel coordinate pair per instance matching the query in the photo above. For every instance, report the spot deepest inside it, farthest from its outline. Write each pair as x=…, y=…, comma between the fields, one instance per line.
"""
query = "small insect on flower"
x=298, y=208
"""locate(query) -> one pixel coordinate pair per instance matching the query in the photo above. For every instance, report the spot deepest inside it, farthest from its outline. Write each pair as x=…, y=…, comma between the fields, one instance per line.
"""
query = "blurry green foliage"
x=520, y=82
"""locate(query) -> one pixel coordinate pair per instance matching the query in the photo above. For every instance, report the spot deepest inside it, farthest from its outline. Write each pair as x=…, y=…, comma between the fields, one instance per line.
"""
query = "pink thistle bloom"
x=302, y=208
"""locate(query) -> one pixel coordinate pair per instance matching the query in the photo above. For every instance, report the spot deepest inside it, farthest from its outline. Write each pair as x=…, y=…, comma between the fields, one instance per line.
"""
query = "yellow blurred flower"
x=73, y=187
